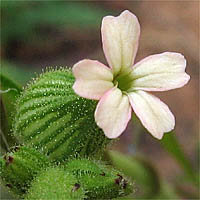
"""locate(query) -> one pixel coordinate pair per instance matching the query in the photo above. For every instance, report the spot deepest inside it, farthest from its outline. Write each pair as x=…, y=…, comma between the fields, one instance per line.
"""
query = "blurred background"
x=39, y=34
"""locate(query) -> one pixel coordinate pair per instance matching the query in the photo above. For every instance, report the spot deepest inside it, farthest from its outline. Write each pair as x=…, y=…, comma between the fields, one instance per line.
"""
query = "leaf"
x=20, y=76
x=9, y=91
x=171, y=144
x=139, y=170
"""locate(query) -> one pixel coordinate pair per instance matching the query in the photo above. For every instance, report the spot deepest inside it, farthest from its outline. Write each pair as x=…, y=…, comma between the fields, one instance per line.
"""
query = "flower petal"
x=93, y=79
x=113, y=113
x=120, y=37
x=153, y=113
x=160, y=72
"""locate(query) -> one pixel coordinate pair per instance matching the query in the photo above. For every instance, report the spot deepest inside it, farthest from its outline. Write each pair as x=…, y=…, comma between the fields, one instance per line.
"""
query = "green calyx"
x=52, y=118
x=61, y=139
x=19, y=167
x=99, y=181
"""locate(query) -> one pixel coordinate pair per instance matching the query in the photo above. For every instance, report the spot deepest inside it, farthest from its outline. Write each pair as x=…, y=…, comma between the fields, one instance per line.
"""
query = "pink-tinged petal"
x=120, y=37
x=160, y=72
x=93, y=89
x=92, y=70
x=153, y=113
x=93, y=79
x=113, y=113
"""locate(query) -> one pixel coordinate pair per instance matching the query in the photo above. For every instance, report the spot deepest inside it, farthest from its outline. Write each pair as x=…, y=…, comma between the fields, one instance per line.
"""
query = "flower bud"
x=18, y=168
x=99, y=181
x=56, y=184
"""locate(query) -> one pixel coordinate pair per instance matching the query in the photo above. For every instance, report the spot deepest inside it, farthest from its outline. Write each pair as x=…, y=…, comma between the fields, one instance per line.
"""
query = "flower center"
x=124, y=80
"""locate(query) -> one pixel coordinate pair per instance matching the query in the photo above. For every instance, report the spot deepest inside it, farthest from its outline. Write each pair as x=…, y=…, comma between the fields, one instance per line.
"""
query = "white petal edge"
x=120, y=36
x=93, y=79
x=160, y=72
x=155, y=115
x=113, y=113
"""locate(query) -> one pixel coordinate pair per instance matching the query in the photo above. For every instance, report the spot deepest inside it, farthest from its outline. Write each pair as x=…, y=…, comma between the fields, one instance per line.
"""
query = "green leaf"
x=9, y=91
x=170, y=144
x=139, y=170
x=20, y=75
x=12, y=78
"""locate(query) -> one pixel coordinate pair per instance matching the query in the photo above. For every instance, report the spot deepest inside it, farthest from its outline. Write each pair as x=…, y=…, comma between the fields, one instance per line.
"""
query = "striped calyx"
x=52, y=118
x=19, y=167
x=99, y=181
x=56, y=184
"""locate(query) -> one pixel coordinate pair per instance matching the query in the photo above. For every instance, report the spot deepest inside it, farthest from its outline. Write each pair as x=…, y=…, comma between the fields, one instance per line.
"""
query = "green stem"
x=4, y=140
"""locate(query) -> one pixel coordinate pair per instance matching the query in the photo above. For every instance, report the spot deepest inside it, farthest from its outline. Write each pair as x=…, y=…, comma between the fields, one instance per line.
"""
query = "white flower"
x=123, y=87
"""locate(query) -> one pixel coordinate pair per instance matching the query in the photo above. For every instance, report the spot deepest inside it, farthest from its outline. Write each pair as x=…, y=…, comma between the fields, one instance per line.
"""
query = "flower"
x=123, y=87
